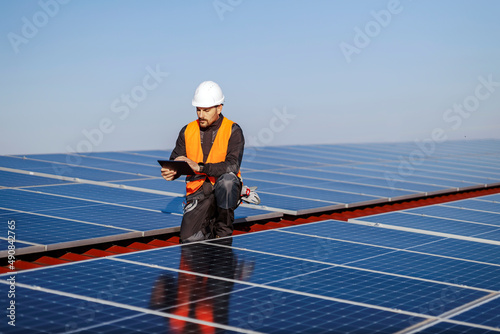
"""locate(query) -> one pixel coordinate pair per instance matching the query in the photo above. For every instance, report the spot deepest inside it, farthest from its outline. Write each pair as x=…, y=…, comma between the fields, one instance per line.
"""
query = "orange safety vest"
x=194, y=151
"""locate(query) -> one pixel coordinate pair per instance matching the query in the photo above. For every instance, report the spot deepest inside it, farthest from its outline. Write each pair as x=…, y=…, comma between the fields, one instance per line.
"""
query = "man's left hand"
x=194, y=166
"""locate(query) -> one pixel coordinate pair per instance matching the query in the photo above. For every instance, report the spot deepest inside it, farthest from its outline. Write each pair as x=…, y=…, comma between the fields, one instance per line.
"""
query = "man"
x=213, y=147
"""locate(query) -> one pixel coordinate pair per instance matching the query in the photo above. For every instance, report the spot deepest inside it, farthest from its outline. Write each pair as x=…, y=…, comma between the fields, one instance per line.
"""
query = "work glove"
x=249, y=195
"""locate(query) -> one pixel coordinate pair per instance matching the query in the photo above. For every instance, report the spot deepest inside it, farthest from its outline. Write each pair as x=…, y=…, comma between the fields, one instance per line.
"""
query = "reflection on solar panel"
x=115, y=195
x=329, y=276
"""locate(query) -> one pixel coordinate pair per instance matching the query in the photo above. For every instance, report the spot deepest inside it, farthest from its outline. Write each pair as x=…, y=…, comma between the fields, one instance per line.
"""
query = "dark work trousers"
x=209, y=213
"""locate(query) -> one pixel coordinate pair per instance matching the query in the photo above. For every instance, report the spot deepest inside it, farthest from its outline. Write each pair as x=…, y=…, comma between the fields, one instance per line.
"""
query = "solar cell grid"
x=126, y=157
x=286, y=162
x=254, y=267
x=307, y=280
x=490, y=163
x=111, y=195
x=458, y=179
x=442, y=179
x=249, y=165
x=493, y=198
x=48, y=230
x=290, y=204
x=42, y=312
x=476, y=205
x=486, y=314
x=437, y=268
x=102, y=164
x=128, y=218
x=159, y=154
x=462, y=249
x=178, y=186
x=463, y=167
x=378, y=179
x=307, y=247
x=381, y=290
x=317, y=182
x=34, y=202
x=107, y=280
x=450, y=170
x=377, y=236
x=449, y=328
x=10, y=179
x=440, y=269
x=59, y=169
x=365, y=234
x=331, y=196
x=441, y=225
x=93, y=212
x=355, y=154
x=284, y=155
x=458, y=214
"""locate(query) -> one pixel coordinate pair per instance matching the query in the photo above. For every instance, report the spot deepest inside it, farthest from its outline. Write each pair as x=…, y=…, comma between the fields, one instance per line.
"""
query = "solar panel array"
x=429, y=270
x=329, y=276
x=62, y=200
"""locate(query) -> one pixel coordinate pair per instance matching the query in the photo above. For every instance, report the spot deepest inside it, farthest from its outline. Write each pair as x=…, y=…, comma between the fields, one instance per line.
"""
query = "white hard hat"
x=208, y=94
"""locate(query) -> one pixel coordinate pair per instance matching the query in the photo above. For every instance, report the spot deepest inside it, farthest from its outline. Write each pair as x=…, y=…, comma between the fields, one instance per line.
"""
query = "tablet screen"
x=181, y=167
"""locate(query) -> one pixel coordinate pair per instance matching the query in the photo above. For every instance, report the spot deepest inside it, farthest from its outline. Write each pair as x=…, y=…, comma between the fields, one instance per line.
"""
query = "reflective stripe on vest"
x=194, y=151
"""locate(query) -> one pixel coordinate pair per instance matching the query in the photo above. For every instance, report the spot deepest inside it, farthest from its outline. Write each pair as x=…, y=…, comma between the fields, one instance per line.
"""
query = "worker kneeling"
x=213, y=147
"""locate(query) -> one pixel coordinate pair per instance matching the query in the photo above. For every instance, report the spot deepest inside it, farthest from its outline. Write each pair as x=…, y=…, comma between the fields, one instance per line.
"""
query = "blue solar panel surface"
x=437, y=224
x=404, y=240
x=485, y=314
x=10, y=179
x=329, y=281
x=457, y=213
x=38, y=229
x=493, y=198
x=475, y=204
x=434, y=268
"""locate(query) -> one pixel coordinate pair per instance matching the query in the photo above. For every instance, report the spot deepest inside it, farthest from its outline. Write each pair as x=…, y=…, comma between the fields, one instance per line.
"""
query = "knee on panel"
x=227, y=190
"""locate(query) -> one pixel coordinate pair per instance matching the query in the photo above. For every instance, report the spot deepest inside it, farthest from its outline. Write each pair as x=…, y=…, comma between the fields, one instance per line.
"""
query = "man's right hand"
x=168, y=174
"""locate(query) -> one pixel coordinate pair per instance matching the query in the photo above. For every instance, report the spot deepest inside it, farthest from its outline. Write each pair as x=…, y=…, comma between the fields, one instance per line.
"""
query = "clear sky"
x=80, y=76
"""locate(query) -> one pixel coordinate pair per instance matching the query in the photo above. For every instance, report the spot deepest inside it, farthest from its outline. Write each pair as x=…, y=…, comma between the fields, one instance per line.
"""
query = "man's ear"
x=219, y=109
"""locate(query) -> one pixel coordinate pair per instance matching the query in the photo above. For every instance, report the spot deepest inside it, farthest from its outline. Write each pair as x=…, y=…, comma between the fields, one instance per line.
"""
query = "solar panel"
x=320, y=183
x=65, y=170
x=10, y=179
x=48, y=230
x=473, y=204
x=433, y=269
x=329, y=281
x=366, y=177
x=414, y=242
x=457, y=213
x=446, y=225
x=486, y=314
x=493, y=198
x=42, y=312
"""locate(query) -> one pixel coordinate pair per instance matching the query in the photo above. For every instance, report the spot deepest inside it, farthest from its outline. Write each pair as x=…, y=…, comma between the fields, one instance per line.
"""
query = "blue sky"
x=82, y=76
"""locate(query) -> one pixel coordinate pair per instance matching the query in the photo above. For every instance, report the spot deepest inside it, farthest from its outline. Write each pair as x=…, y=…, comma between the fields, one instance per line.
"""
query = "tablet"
x=181, y=167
